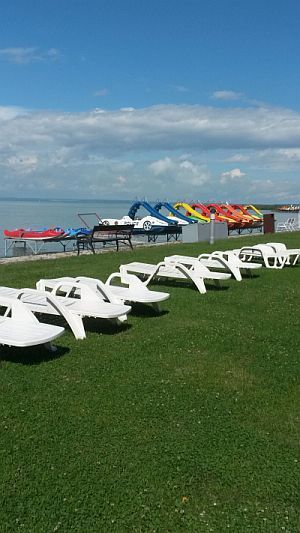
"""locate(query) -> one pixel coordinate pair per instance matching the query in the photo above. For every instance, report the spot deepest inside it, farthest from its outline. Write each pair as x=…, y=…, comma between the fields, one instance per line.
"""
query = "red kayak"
x=35, y=235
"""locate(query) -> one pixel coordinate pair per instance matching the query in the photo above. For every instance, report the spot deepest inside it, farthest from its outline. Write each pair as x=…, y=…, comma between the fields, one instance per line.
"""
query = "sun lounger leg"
x=50, y=347
x=199, y=284
x=156, y=307
x=278, y=262
x=119, y=320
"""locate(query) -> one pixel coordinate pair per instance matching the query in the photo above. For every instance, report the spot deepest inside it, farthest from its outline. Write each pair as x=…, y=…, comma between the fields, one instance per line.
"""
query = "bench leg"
x=82, y=244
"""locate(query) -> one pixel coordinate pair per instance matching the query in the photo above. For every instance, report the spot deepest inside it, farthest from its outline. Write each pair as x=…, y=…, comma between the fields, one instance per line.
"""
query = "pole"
x=212, y=226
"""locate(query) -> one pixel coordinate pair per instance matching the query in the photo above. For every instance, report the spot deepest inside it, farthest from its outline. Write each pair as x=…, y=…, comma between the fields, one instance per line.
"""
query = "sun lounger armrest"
x=248, y=250
x=129, y=279
x=204, y=256
x=102, y=289
x=18, y=309
x=75, y=322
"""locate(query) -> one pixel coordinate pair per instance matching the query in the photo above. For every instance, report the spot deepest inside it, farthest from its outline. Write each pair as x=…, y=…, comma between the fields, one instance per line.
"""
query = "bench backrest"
x=113, y=231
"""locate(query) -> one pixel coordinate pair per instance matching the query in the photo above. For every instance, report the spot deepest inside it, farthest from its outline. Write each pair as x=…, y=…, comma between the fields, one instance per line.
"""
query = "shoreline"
x=57, y=255
x=73, y=253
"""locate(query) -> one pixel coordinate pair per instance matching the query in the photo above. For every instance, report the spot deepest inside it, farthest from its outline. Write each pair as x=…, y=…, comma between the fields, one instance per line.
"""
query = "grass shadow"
x=172, y=283
x=147, y=311
x=95, y=325
x=245, y=275
x=105, y=327
x=218, y=288
x=34, y=355
x=186, y=285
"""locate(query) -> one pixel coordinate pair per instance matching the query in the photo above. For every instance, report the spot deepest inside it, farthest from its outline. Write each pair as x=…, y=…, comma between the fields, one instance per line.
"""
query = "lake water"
x=43, y=213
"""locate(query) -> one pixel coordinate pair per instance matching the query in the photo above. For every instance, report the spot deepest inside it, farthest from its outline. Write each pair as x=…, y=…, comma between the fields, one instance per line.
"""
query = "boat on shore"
x=292, y=208
x=44, y=234
x=153, y=221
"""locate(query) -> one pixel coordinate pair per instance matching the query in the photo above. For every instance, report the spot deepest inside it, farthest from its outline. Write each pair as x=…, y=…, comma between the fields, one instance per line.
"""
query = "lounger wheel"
x=105, y=222
x=147, y=225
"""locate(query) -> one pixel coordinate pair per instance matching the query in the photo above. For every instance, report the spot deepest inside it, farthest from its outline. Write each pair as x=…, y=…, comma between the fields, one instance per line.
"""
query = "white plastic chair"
x=262, y=253
x=74, y=302
x=131, y=290
x=19, y=327
x=234, y=264
x=292, y=253
x=168, y=268
x=217, y=260
x=287, y=225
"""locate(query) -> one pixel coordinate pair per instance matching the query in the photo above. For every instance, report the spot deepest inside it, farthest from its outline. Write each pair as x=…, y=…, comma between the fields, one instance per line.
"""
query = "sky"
x=150, y=99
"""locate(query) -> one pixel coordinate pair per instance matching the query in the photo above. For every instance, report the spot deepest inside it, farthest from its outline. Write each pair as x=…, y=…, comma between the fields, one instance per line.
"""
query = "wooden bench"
x=106, y=235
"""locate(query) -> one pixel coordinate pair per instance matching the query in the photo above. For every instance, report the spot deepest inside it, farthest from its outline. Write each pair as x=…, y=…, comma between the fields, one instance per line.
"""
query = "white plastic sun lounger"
x=132, y=290
x=200, y=267
x=263, y=253
x=19, y=327
x=73, y=307
x=217, y=260
x=292, y=253
x=287, y=225
x=195, y=273
x=235, y=264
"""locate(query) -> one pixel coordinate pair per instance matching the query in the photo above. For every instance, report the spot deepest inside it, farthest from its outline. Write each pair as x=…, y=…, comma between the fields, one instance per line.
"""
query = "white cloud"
x=185, y=156
x=101, y=92
x=169, y=149
x=289, y=154
x=193, y=174
x=232, y=175
x=227, y=95
x=53, y=54
x=161, y=166
x=181, y=89
x=279, y=160
x=179, y=172
x=165, y=127
x=238, y=158
x=8, y=113
x=22, y=163
x=27, y=55
x=270, y=190
x=121, y=180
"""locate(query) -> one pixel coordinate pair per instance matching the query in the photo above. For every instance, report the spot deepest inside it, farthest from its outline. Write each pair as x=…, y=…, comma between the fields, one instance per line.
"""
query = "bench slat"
x=106, y=234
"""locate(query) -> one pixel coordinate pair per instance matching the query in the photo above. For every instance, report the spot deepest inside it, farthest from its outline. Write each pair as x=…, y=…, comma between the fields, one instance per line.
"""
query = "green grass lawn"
x=188, y=421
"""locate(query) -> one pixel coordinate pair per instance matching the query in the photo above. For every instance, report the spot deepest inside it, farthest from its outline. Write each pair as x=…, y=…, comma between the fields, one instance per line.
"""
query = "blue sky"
x=169, y=99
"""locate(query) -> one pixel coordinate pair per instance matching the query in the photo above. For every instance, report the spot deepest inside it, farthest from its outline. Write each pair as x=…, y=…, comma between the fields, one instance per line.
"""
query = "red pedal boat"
x=43, y=235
